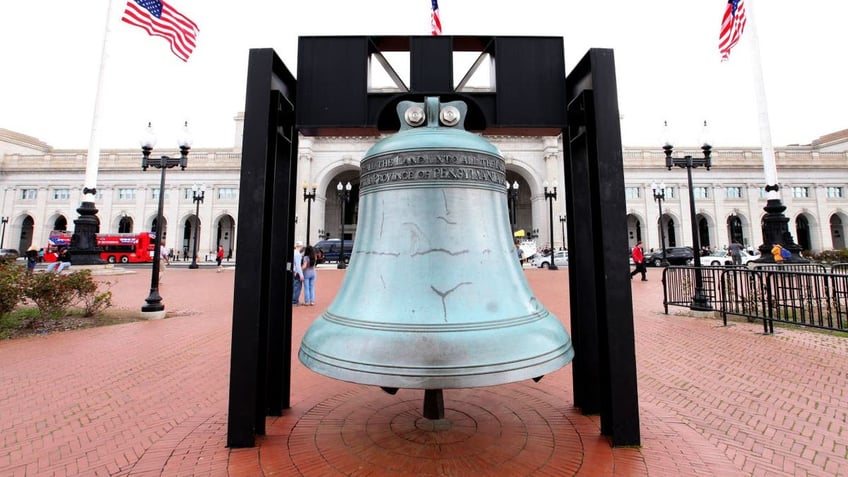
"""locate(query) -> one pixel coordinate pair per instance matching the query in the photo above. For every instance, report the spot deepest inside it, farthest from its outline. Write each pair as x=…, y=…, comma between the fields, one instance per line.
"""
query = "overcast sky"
x=668, y=65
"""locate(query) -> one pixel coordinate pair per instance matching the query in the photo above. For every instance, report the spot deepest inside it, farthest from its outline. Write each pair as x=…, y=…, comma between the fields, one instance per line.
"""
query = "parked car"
x=330, y=250
x=544, y=261
x=722, y=257
x=8, y=254
x=674, y=255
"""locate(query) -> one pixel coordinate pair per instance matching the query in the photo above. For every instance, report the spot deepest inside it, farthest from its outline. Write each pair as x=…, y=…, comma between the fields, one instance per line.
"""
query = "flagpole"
x=775, y=225
x=83, y=242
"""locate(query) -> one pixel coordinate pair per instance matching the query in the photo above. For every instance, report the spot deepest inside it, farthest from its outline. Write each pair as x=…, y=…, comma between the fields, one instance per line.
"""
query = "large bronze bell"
x=434, y=297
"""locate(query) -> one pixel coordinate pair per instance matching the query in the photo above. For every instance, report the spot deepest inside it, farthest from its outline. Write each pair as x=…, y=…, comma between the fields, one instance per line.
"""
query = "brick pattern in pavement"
x=150, y=398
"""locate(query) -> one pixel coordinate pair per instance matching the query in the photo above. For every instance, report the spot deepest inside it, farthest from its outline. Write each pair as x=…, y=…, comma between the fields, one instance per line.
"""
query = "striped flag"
x=435, y=21
x=158, y=18
x=732, y=25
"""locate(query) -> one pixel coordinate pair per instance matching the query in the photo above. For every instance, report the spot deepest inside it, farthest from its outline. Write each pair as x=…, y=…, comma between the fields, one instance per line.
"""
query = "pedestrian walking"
x=736, y=252
x=639, y=259
x=219, y=257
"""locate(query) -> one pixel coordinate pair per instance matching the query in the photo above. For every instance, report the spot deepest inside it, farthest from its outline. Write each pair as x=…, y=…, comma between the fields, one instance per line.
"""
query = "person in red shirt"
x=219, y=257
x=639, y=259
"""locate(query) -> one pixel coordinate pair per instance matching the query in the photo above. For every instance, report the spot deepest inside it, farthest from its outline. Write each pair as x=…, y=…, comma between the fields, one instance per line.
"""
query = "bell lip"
x=456, y=378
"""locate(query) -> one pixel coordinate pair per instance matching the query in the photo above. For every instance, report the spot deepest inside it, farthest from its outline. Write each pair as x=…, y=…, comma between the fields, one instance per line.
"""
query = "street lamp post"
x=512, y=195
x=551, y=197
x=198, y=193
x=153, y=303
x=344, y=197
x=309, y=197
x=699, y=300
x=659, y=197
x=562, y=220
x=5, y=221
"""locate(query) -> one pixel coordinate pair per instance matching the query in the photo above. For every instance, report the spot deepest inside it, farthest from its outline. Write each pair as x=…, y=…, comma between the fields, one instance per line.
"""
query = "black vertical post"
x=261, y=350
x=602, y=310
x=309, y=197
x=699, y=300
x=659, y=197
x=197, y=198
x=551, y=197
x=5, y=221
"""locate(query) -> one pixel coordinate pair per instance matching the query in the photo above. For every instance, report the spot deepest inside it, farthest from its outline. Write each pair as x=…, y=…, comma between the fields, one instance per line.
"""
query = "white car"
x=560, y=259
x=722, y=257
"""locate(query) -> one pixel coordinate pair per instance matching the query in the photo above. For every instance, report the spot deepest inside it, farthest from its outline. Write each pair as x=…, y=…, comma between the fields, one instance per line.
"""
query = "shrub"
x=50, y=292
x=11, y=291
x=85, y=294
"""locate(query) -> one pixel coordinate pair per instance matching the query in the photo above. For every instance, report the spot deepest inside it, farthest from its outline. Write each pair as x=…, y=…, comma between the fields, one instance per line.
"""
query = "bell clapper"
x=434, y=404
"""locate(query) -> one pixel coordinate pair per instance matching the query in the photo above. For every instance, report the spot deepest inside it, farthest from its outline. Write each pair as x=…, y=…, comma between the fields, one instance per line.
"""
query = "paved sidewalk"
x=150, y=398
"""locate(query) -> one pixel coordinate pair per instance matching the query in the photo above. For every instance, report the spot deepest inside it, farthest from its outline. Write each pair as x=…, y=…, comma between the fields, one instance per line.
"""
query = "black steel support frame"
x=601, y=310
x=260, y=362
x=604, y=366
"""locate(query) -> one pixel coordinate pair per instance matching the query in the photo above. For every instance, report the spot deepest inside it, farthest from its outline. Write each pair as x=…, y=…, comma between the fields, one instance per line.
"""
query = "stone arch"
x=330, y=220
x=635, y=232
x=518, y=172
x=225, y=234
x=806, y=231
x=55, y=219
x=838, y=227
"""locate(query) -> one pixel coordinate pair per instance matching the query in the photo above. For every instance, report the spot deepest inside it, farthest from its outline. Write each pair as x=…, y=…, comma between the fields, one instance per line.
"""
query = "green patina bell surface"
x=434, y=296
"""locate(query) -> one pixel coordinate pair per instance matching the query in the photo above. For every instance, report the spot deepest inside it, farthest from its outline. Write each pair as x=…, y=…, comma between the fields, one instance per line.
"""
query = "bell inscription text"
x=425, y=166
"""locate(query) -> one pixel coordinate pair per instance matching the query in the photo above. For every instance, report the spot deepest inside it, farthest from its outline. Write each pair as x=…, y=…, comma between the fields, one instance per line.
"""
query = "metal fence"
x=799, y=294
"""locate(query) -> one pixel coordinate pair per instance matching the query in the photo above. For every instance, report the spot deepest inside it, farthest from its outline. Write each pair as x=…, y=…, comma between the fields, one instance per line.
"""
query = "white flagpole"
x=775, y=224
x=93, y=162
x=87, y=225
x=769, y=165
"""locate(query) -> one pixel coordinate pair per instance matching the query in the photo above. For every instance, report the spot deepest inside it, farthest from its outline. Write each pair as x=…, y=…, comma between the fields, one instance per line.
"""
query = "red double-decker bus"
x=123, y=248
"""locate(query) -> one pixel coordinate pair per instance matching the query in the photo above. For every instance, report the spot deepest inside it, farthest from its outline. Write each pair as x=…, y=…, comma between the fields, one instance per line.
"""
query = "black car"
x=674, y=255
x=330, y=250
x=8, y=254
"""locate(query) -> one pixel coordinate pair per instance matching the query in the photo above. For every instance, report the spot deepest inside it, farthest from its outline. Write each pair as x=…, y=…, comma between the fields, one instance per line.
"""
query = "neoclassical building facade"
x=41, y=188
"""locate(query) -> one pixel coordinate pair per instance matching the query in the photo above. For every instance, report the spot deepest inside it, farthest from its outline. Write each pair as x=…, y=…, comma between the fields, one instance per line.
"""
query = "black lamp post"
x=659, y=197
x=699, y=301
x=551, y=197
x=153, y=303
x=198, y=193
x=562, y=220
x=344, y=197
x=5, y=221
x=512, y=196
x=309, y=197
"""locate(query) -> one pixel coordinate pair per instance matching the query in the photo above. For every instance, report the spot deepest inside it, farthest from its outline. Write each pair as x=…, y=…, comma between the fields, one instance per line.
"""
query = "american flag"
x=158, y=18
x=732, y=25
x=435, y=22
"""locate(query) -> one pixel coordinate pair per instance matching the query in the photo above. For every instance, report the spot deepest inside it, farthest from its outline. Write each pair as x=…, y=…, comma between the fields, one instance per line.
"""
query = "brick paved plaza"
x=150, y=399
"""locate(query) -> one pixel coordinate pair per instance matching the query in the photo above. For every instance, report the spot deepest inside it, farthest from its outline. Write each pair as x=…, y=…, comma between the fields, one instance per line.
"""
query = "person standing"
x=309, y=275
x=736, y=252
x=31, y=258
x=777, y=253
x=297, y=272
x=639, y=259
x=219, y=257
